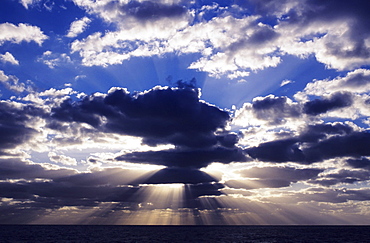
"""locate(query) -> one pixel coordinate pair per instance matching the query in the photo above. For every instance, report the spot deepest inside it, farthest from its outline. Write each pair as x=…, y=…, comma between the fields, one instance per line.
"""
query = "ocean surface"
x=88, y=233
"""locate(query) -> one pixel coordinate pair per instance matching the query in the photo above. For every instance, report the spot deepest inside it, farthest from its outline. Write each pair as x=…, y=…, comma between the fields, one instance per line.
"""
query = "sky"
x=171, y=112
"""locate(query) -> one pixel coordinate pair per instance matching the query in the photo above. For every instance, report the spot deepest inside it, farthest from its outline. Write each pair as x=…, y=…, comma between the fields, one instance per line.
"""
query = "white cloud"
x=8, y=57
x=336, y=34
x=22, y=32
x=330, y=42
x=228, y=46
x=62, y=159
x=53, y=60
x=229, y=42
x=55, y=93
x=285, y=82
x=78, y=26
x=276, y=118
x=357, y=81
x=78, y=77
x=11, y=82
x=27, y=3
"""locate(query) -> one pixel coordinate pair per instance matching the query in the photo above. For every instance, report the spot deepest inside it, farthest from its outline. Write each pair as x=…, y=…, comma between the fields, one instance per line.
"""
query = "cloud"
x=11, y=82
x=271, y=177
x=114, y=176
x=27, y=3
x=14, y=120
x=335, y=101
x=14, y=168
x=271, y=142
x=333, y=196
x=117, y=11
x=190, y=158
x=62, y=159
x=53, y=60
x=159, y=116
x=177, y=175
x=359, y=163
x=315, y=25
x=8, y=57
x=330, y=141
x=22, y=32
x=63, y=187
x=148, y=10
x=143, y=28
x=286, y=82
x=342, y=177
x=280, y=173
x=78, y=26
x=357, y=81
x=344, y=96
x=230, y=44
x=249, y=184
x=275, y=110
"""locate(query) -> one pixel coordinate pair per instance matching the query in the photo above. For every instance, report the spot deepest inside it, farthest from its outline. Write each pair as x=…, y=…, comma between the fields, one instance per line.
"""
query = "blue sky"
x=184, y=112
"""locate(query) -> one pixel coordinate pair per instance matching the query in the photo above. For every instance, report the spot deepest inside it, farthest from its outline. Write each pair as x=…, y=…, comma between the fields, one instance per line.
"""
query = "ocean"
x=100, y=233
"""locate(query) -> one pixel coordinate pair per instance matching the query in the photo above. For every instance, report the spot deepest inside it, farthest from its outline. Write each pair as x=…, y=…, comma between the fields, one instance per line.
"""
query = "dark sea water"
x=79, y=233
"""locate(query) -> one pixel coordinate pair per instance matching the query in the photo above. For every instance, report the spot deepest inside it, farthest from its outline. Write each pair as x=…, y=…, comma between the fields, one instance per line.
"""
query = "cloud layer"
x=231, y=43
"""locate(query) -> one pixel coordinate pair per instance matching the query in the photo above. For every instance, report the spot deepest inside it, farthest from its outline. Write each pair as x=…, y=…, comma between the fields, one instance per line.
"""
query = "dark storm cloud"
x=54, y=195
x=15, y=169
x=275, y=109
x=13, y=124
x=354, y=145
x=228, y=140
x=119, y=177
x=190, y=158
x=317, y=143
x=330, y=195
x=109, y=185
x=149, y=10
x=278, y=151
x=280, y=173
x=161, y=115
x=85, y=189
x=359, y=163
x=177, y=175
x=271, y=177
x=108, y=176
x=313, y=133
x=256, y=184
x=203, y=189
x=335, y=101
x=342, y=176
